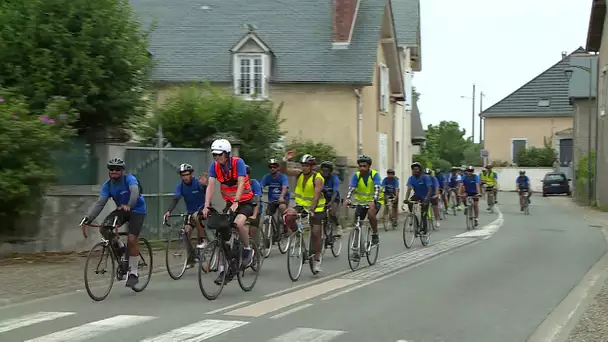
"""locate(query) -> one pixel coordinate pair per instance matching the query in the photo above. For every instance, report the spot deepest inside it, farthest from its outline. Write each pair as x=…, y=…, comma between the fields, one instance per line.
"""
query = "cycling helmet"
x=522, y=172
x=186, y=167
x=307, y=159
x=248, y=169
x=470, y=168
x=390, y=171
x=273, y=161
x=455, y=168
x=116, y=162
x=364, y=159
x=416, y=164
x=437, y=170
x=327, y=164
x=489, y=166
x=220, y=146
x=428, y=171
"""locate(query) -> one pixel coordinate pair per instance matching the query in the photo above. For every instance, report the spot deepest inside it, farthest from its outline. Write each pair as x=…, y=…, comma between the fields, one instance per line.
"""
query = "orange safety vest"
x=229, y=182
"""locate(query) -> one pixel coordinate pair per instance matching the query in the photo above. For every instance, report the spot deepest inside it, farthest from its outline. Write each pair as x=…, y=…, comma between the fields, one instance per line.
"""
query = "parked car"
x=556, y=183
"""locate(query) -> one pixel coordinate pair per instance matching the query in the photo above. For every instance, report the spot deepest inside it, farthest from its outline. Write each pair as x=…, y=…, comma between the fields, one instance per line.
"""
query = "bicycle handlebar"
x=166, y=221
x=83, y=226
x=354, y=206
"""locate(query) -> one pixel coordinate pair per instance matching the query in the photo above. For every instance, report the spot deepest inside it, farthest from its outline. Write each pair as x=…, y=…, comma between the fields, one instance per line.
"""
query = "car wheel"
x=569, y=193
x=544, y=194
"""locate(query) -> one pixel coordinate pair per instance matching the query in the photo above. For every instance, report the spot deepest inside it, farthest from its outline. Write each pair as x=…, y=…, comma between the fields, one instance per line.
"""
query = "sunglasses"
x=115, y=169
x=273, y=167
x=216, y=154
x=362, y=165
x=185, y=174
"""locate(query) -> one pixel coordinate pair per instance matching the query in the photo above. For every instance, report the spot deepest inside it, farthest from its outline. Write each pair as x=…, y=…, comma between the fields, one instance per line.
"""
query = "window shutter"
x=379, y=86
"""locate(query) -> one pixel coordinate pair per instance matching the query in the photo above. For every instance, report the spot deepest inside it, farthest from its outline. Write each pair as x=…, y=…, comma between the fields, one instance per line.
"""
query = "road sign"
x=485, y=153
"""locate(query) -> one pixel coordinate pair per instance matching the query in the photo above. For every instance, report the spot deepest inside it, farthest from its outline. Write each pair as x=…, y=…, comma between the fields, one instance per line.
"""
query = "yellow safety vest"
x=305, y=192
x=365, y=193
x=488, y=178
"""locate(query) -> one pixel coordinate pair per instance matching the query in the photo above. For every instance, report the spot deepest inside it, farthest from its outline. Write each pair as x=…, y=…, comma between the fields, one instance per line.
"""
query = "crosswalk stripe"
x=24, y=321
x=308, y=335
x=198, y=331
x=93, y=329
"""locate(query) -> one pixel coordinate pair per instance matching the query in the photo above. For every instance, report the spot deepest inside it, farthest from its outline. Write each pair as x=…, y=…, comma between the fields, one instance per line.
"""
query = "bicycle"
x=430, y=218
x=453, y=200
x=271, y=231
x=358, y=248
x=183, y=241
x=226, y=255
x=441, y=205
x=469, y=212
x=332, y=242
x=387, y=216
x=298, y=250
x=412, y=224
x=526, y=195
x=490, y=197
x=117, y=255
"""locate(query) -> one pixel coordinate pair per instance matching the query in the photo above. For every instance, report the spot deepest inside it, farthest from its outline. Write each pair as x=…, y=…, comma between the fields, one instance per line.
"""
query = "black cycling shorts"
x=245, y=208
x=135, y=220
x=316, y=218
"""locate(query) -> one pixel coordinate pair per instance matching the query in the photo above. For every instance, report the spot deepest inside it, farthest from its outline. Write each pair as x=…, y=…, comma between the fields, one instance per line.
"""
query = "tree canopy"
x=92, y=53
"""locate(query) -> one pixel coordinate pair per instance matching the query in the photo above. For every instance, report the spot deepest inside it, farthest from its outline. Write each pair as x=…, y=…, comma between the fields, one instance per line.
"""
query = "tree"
x=93, y=53
x=194, y=116
x=26, y=142
x=320, y=151
x=415, y=94
x=446, y=141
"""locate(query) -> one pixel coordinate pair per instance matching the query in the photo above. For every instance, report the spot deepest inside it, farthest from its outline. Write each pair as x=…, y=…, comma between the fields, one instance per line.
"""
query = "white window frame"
x=238, y=76
x=384, y=89
x=512, y=147
x=604, y=90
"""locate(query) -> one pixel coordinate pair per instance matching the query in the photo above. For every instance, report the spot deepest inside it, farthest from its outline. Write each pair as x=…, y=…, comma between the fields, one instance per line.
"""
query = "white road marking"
x=90, y=330
x=308, y=335
x=487, y=230
x=27, y=320
x=228, y=307
x=273, y=304
x=290, y=311
x=198, y=331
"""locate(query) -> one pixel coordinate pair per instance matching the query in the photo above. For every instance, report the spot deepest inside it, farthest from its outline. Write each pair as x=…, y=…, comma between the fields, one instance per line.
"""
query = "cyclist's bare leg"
x=200, y=230
x=521, y=200
x=436, y=211
x=476, y=207
x=394, y=208
x=315, y=230
x=371, y=216
x=243, y=230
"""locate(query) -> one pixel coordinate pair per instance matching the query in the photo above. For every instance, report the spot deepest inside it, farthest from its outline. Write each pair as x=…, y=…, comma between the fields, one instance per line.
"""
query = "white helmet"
x=221, y=145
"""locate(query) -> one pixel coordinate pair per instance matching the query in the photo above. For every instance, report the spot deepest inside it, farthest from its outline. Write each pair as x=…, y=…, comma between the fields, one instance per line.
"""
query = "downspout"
x=359, y=96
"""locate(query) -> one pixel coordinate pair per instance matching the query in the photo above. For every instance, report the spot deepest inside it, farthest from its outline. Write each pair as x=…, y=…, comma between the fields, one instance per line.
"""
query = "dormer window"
x=251, y=67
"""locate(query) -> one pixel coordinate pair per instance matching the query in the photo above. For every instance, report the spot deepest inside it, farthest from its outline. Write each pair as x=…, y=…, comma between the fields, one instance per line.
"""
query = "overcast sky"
x=498, y=45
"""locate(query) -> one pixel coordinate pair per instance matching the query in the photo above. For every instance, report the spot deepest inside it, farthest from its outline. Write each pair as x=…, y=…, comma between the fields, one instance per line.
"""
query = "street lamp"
x=472, y=113
x=568, y=72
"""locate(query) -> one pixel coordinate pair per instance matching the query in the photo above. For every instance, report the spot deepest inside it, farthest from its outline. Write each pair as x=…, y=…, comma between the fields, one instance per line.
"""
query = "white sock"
x=133, y=262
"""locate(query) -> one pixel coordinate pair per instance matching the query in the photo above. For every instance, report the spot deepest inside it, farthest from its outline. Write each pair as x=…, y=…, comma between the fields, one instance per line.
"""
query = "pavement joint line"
x=563, y=319
x=292, y=310
x=228, y=307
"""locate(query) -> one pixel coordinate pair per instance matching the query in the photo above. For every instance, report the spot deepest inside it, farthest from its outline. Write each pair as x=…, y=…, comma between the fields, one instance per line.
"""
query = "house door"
x=517, y=145
x=565, y=152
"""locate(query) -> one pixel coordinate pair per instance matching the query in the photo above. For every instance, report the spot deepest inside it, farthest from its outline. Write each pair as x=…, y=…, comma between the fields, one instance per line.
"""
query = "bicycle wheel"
x=409, y=230
x=526, y=206
x=371, y=249
x=267, y=238
x=99, y=256
x=176, y=254
x=247, y=277
x=426, y=237
x=143, y=265
x=311, y=258
x=454, y=202
x=209, y=268
x=385, y=219
x=296, y=256
x=283, y=241
x=336, y=244
x=354, y=250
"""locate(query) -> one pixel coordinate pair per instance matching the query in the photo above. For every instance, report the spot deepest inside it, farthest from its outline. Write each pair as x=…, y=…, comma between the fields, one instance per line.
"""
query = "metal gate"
x=157, y=170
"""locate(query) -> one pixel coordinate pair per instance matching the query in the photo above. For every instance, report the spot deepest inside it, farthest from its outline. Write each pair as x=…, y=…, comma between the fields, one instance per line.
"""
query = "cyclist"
x=490, y=179
x=390, y=184
x=423, y=189
x=471, y=186
x=434, y=195
x=454, y=184
x=522, y=184
x=193, y=191
x=254, y=220
x=331, y=191
x=124, y=189
x=444, y=180
x=365, y=184
x=235, y=187
x=309, y=198
x=278, y=189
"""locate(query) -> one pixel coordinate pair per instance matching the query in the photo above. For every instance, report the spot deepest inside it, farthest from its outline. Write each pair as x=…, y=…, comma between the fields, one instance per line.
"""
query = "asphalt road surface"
x=496, y=283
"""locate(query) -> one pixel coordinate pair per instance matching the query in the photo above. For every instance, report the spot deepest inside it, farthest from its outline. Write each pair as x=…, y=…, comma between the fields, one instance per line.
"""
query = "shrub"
x=320, y=151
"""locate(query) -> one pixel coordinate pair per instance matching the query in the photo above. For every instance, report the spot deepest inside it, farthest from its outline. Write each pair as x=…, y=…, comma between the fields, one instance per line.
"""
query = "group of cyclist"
x=316, y=194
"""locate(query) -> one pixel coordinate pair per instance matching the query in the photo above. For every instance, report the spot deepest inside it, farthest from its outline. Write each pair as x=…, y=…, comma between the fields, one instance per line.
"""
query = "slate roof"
x=417, y=129
x=192, y=39
x=551, y=84
x=407, y=20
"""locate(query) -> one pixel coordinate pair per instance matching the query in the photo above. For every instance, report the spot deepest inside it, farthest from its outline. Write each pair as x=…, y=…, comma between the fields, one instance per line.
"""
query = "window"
x=555, y=177
x=544, y=103
x=250, y=76
x=384, y=89
x=517, y=145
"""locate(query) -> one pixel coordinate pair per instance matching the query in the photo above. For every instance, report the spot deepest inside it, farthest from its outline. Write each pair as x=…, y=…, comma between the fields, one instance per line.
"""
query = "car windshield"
x=555, y=177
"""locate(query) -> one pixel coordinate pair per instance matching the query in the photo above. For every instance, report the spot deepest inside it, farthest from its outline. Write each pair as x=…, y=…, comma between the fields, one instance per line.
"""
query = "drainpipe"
x=359, y=96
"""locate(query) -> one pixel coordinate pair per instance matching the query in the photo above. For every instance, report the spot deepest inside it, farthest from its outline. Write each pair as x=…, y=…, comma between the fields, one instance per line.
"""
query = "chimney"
x=564, y=54
x=344, y=17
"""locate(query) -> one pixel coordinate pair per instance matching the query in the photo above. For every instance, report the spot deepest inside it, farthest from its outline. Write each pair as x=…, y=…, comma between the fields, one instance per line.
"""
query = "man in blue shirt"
x=522, y=184
x=124, y=189
x=390, y=184
x=454, y=184
x=278, y=189
x=193, y=191
x=423, y=188
x=436, y=187
x=331, y=191
x=471, y=186
x=254, y=220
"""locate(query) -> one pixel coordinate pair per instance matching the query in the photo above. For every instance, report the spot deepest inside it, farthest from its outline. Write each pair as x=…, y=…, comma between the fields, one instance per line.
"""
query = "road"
x=487, y=285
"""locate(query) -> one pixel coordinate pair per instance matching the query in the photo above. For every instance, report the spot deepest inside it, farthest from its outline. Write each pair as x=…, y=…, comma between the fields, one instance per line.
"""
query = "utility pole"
x=481, y=95
x=473, y=115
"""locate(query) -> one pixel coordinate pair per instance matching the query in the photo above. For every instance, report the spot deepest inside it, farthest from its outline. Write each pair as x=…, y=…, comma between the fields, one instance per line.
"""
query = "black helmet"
x=522, y=172
x=327, y=164
x=390, y=171
x=116, y=162
x=307, y=159
x=248, y=169
x=273, y=161
x=416, y=164
x=186, y=167
x=364, y=159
